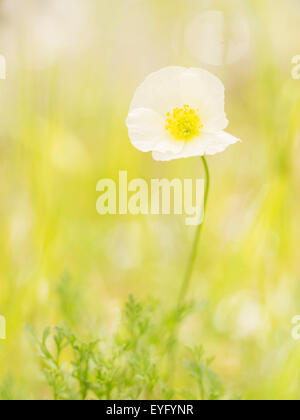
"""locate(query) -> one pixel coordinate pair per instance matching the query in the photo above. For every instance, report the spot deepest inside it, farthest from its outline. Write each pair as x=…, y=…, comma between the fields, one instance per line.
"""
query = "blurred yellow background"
x=72, y=69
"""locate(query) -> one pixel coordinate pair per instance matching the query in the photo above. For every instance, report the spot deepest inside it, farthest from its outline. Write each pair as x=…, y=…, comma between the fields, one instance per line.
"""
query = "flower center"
x=184, y=123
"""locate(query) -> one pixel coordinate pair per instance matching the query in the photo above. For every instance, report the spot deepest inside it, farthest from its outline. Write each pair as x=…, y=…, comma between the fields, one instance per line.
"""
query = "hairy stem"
x=191, y=263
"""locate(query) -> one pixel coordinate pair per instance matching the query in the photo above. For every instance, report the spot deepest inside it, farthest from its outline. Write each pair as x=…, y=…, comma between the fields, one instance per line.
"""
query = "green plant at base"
x=132, y=364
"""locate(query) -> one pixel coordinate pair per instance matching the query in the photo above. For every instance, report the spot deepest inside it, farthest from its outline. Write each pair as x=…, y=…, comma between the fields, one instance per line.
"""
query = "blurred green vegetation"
x=72, y=68
x=138, y=362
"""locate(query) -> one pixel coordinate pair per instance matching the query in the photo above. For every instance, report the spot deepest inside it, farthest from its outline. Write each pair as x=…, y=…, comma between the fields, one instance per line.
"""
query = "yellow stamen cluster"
x=184, y=123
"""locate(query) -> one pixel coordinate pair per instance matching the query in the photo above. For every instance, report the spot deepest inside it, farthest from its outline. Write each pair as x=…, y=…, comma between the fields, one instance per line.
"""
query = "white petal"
x=206, y=144
x=204, y=91
x=147, y=132
x=174, y=87
x=160, y=91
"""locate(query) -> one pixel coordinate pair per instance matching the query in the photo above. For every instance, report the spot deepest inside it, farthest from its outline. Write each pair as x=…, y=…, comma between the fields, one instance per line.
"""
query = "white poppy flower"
x=178, y=113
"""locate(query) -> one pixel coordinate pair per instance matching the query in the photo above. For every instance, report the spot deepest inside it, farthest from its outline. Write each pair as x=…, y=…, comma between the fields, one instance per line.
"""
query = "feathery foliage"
x=132, y=364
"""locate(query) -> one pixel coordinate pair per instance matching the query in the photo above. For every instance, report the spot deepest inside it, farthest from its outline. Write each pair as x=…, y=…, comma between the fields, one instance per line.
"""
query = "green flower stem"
x=191, y=263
